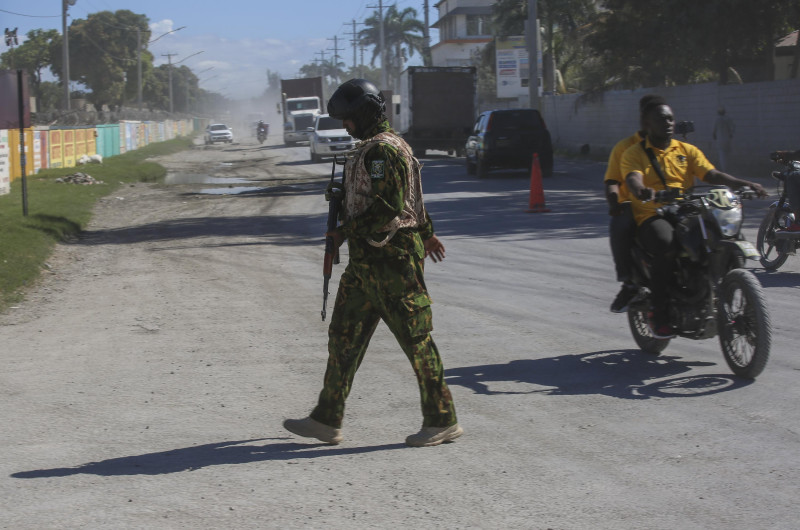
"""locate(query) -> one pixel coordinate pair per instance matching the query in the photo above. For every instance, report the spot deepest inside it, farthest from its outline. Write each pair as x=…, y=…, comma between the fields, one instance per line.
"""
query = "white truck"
x=301, y=104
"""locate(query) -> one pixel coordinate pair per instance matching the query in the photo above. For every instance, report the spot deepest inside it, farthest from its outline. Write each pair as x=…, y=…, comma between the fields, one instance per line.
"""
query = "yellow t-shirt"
x=680, y=162
x=614, y=170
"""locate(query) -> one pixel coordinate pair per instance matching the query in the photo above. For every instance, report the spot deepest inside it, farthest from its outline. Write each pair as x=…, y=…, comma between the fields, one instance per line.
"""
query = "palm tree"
x=403, y=35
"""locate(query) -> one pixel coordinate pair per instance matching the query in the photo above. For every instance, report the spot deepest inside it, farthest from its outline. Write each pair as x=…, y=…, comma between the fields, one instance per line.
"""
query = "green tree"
x=34, y=56
x=330, y=72
x=184, y=88
x=156, y=90
x=371, y=74
x=104, y=53
x=403, y=36
x=657, y=43
x=328, y=69
x=273, y=89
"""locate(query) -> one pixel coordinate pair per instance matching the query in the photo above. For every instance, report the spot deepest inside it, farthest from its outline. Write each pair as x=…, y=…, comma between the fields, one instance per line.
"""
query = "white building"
x=785, y=55
x=463, y=31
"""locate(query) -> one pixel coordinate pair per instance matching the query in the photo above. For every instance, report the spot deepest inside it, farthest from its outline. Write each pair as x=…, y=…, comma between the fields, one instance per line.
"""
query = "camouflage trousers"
x=392, y=290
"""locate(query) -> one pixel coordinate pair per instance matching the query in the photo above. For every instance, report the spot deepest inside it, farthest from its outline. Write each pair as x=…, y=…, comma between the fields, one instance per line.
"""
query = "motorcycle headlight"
x=729, y=219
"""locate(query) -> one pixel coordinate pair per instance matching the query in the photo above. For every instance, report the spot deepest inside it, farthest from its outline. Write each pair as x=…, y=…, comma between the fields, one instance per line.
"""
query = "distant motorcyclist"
x=262, y=130
x=792, y=185
x=679, y=163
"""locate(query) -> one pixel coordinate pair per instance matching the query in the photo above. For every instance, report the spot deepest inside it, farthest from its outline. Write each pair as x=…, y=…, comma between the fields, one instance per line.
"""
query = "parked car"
x=218, y=132
x=328, y=137
x=507, y=139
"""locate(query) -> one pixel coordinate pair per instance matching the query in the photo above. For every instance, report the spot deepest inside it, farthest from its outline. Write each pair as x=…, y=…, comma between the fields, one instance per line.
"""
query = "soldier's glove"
x=333, y=191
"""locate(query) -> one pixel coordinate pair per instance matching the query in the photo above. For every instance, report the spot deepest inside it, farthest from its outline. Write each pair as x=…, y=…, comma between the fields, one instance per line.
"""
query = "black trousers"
x=657, y=235
x=621, y=231
x=793, y=190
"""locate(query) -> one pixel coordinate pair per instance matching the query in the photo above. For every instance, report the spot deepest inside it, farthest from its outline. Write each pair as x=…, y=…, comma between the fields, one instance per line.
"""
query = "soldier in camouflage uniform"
x=389, y=234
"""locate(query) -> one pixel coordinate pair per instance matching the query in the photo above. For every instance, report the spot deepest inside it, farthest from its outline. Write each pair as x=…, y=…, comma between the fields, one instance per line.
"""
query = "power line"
x=29, y=16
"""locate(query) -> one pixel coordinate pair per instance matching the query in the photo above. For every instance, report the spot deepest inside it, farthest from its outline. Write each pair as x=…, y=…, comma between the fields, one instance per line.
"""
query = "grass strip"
x=59, y=211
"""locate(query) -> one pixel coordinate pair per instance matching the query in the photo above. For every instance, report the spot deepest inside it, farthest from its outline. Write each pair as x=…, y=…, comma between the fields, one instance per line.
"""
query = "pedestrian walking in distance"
x=724, y=129
x=389, y=235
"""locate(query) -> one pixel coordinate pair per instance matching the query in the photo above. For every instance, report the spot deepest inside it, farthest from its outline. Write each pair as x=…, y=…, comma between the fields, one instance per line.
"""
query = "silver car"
x=328, y=138
x=218, y=132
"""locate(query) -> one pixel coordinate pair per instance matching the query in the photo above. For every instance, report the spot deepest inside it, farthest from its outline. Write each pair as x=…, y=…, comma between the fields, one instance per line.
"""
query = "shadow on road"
x=624, y=374
x=198, y=457
x=464, y=205
x=777, y=278
x=272, y=230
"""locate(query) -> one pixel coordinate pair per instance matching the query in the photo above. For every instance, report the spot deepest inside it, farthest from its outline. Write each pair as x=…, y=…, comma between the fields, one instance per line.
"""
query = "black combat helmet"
x=360, y=101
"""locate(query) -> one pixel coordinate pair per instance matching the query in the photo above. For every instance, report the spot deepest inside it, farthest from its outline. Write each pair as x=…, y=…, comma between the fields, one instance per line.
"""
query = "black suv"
x=507, y=139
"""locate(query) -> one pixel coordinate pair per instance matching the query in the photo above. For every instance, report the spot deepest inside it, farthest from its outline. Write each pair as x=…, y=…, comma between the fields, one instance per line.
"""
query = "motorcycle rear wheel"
x=771, y=257
x=743, y=322
x=640, y=329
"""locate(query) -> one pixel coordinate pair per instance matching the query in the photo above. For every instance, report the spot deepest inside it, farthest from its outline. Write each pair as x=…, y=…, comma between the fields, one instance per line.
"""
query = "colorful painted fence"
x=63, y=147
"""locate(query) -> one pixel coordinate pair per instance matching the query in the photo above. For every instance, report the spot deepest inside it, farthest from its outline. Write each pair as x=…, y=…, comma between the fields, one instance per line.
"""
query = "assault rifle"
x=334, y=196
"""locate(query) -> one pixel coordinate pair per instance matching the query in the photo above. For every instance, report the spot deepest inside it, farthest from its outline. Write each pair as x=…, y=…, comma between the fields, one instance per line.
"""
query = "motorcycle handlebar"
x=784, y=157
x=667, y=195
x=672, y=194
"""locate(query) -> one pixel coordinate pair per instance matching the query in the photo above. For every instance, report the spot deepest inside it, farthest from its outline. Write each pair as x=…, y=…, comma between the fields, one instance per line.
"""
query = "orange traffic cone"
x=536, y=204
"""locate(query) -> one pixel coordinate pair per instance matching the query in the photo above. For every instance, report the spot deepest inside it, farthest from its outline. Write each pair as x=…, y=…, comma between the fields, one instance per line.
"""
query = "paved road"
x=145, y=379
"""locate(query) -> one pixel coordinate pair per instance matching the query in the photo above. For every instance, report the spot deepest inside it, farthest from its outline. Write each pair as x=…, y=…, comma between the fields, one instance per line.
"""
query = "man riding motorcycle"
x=792, y=186
x=657, y=163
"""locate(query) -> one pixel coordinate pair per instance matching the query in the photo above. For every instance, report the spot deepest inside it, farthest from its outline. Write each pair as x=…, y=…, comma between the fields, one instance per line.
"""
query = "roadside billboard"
x=5, y=163
x=10, y=99
x=513, y=70
x=513, y=67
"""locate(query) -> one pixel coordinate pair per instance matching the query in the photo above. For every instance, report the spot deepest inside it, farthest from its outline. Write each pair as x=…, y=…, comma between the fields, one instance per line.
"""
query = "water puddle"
x=201, y=178
x=232, y=190
x=242, y=190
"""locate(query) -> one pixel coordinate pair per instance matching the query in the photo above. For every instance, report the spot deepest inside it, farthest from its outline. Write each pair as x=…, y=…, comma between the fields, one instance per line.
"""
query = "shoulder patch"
x=376, y=171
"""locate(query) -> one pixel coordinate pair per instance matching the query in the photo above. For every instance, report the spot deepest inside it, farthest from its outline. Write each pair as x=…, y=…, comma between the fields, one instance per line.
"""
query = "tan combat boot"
x=428, y=436
x=311, y=428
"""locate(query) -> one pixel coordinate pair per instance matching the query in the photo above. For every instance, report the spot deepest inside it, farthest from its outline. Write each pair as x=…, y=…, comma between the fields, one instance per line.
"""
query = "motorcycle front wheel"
x=744, y=325
x=637, y=319
x=771, y=257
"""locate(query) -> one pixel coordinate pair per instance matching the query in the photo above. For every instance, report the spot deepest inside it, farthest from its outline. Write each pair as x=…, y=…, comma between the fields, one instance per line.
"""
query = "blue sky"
x=239, y=39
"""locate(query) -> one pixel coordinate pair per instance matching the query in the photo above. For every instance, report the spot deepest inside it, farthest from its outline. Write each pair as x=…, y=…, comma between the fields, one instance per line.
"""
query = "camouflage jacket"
x=389, y=199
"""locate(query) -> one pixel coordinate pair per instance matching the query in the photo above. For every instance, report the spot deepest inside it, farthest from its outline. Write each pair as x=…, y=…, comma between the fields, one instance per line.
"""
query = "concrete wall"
x=766, y=115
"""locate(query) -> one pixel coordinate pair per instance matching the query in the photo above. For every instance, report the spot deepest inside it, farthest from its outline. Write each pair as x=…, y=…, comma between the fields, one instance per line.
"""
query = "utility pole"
x=382, y=44
x=354, y=42
x=532, y=35
x=169, y=61
x=335, y=60
x=321, y=61
x=139, y=68
x=139, y=65
x=65, y=47
x=384, y=76
x=426, y=38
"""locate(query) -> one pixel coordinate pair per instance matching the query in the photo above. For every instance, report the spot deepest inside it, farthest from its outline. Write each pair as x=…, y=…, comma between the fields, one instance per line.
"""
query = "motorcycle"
x=262, y=132
x=774, y=244
x=711, y=294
